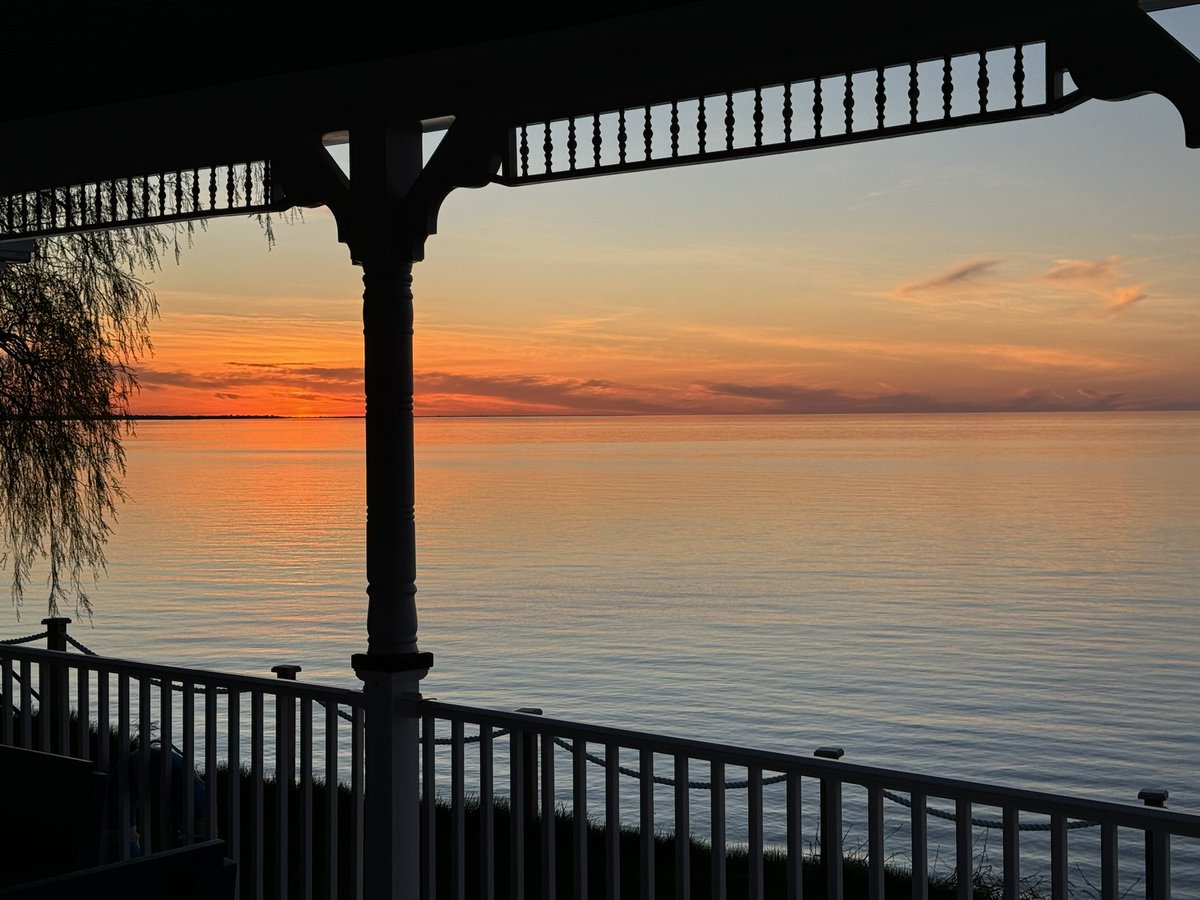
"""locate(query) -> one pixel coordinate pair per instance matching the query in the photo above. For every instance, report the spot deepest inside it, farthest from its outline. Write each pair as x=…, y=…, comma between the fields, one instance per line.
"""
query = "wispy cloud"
x=992, y=356
x=1085, y=270
x=453, y=392
x=957, y=276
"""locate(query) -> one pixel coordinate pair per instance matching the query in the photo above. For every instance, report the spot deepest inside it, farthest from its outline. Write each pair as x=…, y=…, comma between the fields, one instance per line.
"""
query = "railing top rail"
x=982, y=793
x=200, y=677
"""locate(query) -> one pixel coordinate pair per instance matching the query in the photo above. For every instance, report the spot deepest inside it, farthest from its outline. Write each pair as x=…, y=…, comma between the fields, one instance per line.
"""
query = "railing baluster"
x=683, y=830
x=102, y=726
x=787, y=113
x=516, y=808
x=548, y=149
x=983, y=81
x=947, y=87
x=572, y=144
x=646, y=821
x=306, y=797
x=648, y=134
x=285, y=749
x=579, y=806
x=880, y=98
x=622, y=136
x=758, y=117
x=46, y=700
x=1159, y=875
x=331, y=799
x=919, y=829
x=524, y=150
x=795, y=843
x=729, y=121
x=875, y=868
x=6, y=685
x=429, y=806
x=357, y=738
x=62, y=709
x=188, y=775
x=831, y=837
x=674, y=129
x=1012, y=853
x=1019, y=76
x=612, y=820
x=210, y=761
x=848, y=103
x=26, y=704
x=487, y=816
x=1058, y=857
x=549, y=874
x=233, y=774
x=458, y=825
x=701, y=126
x=597, y=140
x=83, y=718
x=754, y=827
x=164, y=838
x=145, y=806
x=1108, y=862
x=717, y=827
x=963, y=850
x=258, y=801
x=124, y=764
x=818, y=108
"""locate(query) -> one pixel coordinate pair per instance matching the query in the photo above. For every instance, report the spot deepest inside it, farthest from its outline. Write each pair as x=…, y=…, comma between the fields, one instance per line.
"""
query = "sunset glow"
x=1048, y=264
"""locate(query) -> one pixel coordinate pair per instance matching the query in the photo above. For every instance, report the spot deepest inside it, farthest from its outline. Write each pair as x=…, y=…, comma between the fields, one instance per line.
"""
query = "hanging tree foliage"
x=73, y=322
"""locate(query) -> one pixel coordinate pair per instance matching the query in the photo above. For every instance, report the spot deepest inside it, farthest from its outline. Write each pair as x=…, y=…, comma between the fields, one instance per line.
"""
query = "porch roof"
x=148, y=85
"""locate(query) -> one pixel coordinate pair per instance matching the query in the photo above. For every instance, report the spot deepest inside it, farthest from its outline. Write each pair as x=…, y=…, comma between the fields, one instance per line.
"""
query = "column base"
x=391, y=662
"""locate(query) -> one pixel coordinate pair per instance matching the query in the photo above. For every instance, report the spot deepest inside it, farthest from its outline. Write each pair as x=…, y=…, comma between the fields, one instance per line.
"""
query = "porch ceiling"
x=148, y=85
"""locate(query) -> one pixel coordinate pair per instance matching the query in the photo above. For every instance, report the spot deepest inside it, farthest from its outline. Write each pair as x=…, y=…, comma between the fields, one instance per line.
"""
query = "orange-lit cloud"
x=1100, y=278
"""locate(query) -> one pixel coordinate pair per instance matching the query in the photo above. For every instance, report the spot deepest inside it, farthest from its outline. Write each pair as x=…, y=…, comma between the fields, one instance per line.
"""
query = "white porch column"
x=385, y=160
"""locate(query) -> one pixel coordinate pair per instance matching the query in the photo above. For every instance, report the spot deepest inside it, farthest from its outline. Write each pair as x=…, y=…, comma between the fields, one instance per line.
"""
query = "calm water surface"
x=1009, y=598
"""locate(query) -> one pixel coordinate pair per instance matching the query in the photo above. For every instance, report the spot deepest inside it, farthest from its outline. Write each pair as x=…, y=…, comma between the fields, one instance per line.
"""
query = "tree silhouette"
x=73, y=322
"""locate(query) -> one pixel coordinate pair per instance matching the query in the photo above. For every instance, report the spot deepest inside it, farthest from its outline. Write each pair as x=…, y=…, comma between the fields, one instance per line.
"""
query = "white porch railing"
x=760, y=824
x=196, y=755
x=622, y=798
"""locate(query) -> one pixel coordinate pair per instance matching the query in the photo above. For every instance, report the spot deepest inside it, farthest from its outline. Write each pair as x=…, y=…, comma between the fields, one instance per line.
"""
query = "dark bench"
x=197, y=872
x=53, y=831
x=54, y=814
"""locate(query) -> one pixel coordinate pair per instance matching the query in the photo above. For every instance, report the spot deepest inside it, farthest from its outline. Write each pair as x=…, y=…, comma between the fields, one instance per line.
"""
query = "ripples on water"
x=1008, y=598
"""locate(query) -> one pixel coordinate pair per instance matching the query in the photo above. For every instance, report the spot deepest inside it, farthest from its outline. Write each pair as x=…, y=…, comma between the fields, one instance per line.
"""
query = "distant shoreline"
x=954, y=412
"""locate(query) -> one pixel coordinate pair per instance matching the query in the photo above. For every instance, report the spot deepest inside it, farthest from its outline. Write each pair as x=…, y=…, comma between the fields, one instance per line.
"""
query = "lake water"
x=1003, y=597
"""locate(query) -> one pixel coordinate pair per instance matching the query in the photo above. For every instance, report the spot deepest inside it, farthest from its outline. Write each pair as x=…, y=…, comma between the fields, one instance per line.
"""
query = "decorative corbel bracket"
x=392, y=207
x=1124, y=53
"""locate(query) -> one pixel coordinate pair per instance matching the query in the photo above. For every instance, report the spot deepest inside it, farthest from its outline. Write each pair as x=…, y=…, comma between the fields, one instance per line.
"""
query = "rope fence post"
x=54, y=685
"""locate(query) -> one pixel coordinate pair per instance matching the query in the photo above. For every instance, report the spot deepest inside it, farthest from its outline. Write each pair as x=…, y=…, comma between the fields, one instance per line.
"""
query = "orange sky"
x=1041, y=265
